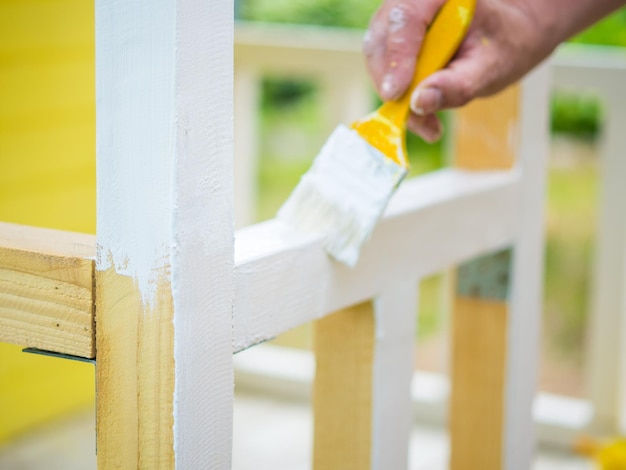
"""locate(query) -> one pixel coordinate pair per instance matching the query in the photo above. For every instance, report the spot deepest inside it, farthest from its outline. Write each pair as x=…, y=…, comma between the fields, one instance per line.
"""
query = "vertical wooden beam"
x=362, y=391
x=342, y=394
x=606, y=364
x=392, y=406
x=165, y=234
x=479, y=330
x=247, y=101
x=493, y=377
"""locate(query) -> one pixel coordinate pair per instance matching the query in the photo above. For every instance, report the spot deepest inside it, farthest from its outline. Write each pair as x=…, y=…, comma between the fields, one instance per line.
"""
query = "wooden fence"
x=167, y=292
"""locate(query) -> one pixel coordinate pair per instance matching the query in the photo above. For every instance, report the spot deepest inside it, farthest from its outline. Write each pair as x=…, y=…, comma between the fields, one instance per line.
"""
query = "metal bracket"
x=43, y=352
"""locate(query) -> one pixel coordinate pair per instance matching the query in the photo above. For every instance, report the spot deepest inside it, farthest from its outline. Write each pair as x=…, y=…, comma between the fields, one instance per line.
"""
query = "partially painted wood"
x=342, y=393
x=504, y=336
x=485, y=139
x=165, y=233
x=46, y=289
x=284, y=279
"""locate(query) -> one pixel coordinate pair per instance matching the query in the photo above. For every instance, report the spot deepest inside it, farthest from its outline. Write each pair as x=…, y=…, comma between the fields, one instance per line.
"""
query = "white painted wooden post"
x=165, y=233
x=607, y=320
x=392, y=417
x=526, y=300
x=603, y=71
x=247, y=96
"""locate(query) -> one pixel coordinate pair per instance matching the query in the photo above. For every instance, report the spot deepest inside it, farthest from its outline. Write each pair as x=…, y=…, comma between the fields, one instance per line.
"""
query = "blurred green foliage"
x=571, y=114
x=576, y=114
x=344, y=13
x=609, y=32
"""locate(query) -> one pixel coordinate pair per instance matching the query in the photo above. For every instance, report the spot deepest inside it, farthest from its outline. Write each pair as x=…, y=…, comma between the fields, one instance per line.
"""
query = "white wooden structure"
x=178, y=291
x=591, y=69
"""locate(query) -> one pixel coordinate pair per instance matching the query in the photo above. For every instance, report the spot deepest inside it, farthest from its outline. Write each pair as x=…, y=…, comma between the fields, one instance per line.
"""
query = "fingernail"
x=425, y=101
x=432, y=135
x=388, y=87
x=368, y=43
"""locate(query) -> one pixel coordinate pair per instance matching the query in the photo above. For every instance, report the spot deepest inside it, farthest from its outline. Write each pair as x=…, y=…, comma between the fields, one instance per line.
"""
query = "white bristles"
x=344, y=194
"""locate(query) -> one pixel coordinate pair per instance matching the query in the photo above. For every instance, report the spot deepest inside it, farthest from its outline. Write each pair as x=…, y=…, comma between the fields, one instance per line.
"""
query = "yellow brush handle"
x=443, y=38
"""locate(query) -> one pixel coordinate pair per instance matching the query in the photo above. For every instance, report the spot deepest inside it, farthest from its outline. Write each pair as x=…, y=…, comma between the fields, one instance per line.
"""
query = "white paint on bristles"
x=344, y=194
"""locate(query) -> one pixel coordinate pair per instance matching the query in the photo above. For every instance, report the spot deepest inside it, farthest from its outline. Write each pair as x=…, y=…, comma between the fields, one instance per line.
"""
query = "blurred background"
x=47, y=178
x=291, y=120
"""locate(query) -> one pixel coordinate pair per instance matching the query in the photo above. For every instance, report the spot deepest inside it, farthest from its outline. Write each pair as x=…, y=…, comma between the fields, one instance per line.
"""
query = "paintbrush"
x=346, y=190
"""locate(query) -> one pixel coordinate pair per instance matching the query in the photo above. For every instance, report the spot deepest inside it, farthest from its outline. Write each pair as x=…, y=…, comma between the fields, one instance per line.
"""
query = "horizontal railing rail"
x=334, y=59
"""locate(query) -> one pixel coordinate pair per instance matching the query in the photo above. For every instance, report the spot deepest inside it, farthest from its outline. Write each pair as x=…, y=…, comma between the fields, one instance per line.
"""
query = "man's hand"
x=505, y=40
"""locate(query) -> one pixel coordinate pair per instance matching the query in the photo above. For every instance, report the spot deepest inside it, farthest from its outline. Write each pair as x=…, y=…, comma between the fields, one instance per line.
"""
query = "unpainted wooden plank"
x=134, y=374
x=342, y=393
x=486, y=132
x=477, y=394
x=46, y=289
x=486, y=138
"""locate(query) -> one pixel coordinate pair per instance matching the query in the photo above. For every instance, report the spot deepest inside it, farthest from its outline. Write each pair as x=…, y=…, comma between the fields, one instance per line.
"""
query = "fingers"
x=393, y=41
x=428, y=127
x=466, y=77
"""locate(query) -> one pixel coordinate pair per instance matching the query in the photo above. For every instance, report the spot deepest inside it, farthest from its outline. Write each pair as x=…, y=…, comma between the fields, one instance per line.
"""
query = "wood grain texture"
x=342, y=394
x=486, y=138
x=134, y=375
x=165, y=233
x=487, y=132
x=46, y=289
x=477, y=394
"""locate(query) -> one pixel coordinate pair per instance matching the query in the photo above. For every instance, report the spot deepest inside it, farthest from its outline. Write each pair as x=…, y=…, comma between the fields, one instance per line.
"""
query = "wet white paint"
x=135, y=140
x=165, y=149
x=397, y=19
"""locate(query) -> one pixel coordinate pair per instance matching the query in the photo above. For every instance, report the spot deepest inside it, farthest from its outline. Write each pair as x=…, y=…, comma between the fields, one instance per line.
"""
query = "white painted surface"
x=136, y=137
x=396, y=324
x=202, y=234
x=602, y=71
x=284, y=279
x=527, y=275
x=164, y=145
x=247, y=90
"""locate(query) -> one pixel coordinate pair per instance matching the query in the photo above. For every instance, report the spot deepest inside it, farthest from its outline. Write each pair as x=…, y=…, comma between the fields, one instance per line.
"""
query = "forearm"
x=559, y=20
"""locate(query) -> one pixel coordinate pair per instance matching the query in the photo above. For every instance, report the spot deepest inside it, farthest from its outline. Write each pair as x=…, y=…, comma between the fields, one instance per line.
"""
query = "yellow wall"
x=47, y=175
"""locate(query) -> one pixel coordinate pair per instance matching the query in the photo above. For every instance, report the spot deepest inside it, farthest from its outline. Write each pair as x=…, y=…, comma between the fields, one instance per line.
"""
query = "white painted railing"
x=434, y=222
x=334, y=58
x=177, y=291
